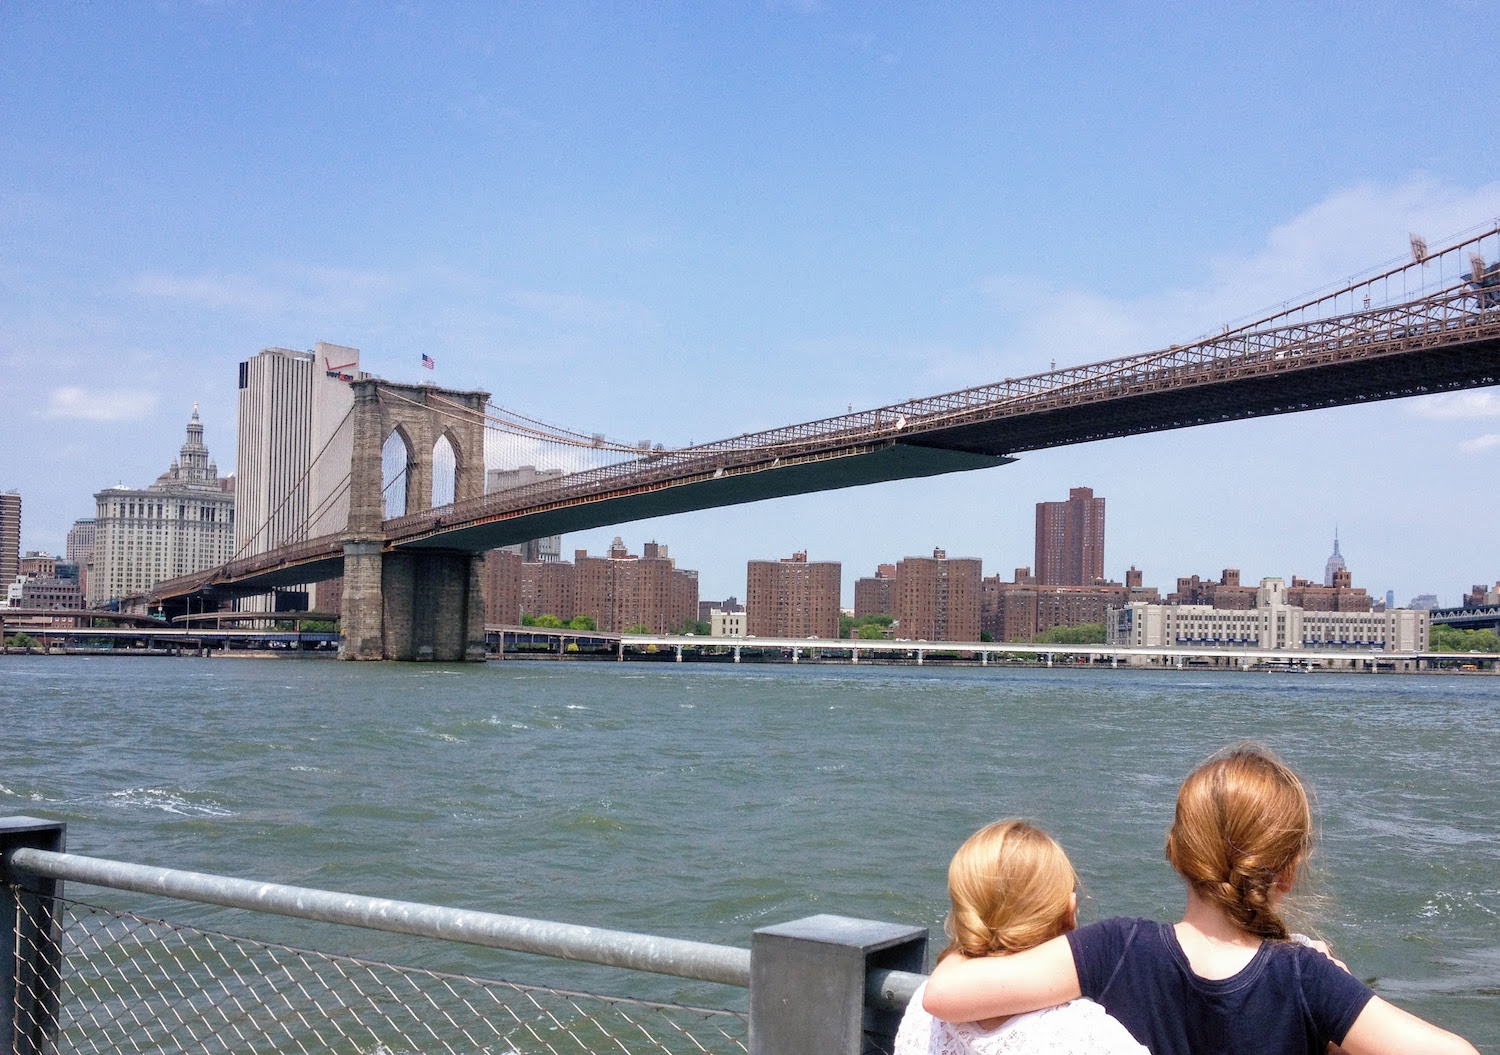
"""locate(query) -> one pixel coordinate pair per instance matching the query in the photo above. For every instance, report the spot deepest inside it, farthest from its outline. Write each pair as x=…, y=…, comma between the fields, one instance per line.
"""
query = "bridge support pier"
x=412, y=605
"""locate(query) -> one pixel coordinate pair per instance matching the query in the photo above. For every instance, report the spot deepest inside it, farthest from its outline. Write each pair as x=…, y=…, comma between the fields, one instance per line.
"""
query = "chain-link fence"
x=132, y=984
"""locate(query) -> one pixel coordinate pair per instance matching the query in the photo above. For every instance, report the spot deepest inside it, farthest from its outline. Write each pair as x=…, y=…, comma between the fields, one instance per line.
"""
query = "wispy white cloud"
x=1351, y=230
x=307, y=290
x=81, y=404
x=1486, y=442
x=1458, y=406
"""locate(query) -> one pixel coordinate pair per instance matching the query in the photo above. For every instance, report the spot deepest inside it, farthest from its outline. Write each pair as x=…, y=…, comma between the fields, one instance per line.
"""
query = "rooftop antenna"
x=1418, y=248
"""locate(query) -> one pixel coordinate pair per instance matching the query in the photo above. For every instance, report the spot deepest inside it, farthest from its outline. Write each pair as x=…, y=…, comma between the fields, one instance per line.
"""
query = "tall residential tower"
x=1070, y=540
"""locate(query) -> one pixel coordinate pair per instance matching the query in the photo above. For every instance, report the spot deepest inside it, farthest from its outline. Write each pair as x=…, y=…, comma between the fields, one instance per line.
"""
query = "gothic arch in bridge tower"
x=395, y=473
x=444, y=470
x=412, y=603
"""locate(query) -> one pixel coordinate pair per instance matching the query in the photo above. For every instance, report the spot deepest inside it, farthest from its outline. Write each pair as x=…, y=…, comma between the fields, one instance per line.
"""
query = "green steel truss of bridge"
x=1428, y=325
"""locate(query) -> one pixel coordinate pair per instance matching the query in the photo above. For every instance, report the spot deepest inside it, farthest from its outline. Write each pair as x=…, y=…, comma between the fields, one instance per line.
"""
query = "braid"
x=1243, y=827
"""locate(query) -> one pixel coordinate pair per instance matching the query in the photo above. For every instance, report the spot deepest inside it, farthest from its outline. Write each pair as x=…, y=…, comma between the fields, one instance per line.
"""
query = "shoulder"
x=1114, y=933
x=1075, y=1028
x=1330, y=996
x=1100, y=950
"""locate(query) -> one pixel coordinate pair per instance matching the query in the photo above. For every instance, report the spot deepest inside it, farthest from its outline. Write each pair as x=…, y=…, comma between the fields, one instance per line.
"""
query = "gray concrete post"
x=31, y=962
x=807, y=984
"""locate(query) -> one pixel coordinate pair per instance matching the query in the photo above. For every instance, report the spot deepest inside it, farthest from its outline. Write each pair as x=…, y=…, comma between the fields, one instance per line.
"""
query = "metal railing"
x=82, y=977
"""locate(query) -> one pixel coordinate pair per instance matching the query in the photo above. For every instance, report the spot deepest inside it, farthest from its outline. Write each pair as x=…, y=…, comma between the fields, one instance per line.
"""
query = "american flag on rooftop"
x=429, y=362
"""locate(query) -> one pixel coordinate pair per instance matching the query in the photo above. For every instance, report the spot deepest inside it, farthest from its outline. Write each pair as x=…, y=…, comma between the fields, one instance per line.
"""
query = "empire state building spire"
x=1335, y=562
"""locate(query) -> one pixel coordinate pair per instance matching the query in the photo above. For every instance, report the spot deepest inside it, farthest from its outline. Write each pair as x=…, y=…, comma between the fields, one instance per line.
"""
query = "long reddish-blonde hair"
x=1242, y=835
x=1011, y=886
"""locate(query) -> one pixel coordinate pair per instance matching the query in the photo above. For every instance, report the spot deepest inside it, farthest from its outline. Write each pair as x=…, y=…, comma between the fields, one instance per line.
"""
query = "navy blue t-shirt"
x=1288, y=1000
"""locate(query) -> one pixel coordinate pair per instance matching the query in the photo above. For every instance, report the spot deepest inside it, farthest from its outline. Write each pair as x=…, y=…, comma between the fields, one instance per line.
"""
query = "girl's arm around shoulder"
x=966, y=990
x=1384, y=1029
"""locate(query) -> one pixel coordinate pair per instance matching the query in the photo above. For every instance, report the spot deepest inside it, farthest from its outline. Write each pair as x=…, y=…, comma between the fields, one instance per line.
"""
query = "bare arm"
x=1383, y=1028
x=965, y=990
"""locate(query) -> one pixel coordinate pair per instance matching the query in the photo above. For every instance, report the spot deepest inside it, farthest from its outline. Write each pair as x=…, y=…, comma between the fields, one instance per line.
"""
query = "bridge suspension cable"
x=326, y=509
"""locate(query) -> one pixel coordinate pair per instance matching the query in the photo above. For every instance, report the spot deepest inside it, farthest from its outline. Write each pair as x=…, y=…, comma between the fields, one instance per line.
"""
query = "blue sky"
x=688, y=221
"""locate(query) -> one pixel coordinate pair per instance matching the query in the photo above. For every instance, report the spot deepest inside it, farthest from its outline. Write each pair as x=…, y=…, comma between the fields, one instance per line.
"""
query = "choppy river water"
x=704, y=801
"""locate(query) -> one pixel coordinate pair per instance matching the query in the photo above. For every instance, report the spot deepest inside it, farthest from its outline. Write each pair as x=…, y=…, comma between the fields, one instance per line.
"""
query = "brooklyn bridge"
x=412, y=519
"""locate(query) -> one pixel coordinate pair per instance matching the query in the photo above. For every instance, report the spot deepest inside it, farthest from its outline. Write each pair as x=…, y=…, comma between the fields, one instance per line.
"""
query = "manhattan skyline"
x=679, y=225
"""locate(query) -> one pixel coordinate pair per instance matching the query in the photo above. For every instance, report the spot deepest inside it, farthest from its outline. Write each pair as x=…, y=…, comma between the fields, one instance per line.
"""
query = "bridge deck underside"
x=887, y=462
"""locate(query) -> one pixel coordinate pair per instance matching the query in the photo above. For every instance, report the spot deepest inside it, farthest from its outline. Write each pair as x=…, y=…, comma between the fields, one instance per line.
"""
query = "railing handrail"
x=682, y=958
x=697, y=960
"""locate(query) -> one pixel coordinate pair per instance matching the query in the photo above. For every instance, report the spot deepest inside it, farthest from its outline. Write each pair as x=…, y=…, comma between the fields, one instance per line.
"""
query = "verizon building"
x=1070, y=540
x=296, y=438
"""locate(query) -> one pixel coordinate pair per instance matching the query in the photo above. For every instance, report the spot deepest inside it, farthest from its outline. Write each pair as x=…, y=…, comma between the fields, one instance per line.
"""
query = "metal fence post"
x=31, y=962
x=807, y=984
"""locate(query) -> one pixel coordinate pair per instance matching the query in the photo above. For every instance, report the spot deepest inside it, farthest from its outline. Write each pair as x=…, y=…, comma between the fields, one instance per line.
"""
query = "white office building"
x=296, y=437
x=182, y=523
x=1271, y=624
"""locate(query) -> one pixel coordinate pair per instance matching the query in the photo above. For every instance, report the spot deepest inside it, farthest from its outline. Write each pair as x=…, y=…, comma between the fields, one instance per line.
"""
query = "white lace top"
x=1079, y=1027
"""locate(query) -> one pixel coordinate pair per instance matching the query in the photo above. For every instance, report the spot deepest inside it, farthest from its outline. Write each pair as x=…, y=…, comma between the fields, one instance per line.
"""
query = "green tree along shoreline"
x=866, y=627
x=1452, y=639
x=1082, y=634
x=552, y=622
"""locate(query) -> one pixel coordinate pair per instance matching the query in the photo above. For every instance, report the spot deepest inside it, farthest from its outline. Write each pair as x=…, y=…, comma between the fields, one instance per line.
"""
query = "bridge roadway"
x=796, y=647
x=183, y=639
x=1485, y=617
x=1445, y=342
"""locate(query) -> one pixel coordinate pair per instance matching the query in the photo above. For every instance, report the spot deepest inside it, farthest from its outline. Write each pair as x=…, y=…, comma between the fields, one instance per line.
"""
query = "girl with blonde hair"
x=1229, y=977
x=1012, y=888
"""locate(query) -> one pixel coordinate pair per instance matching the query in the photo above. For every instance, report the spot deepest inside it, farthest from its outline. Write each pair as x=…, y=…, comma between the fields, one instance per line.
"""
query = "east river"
x=703, y=801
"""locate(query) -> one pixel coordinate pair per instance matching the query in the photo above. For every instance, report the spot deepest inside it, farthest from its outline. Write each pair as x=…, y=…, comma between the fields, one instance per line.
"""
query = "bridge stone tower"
x=412, y=604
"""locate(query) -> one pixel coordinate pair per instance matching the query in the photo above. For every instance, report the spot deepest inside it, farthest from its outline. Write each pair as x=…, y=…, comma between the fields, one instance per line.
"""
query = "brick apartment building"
x=1022, y=609
x=1070, y=540
x=622, y=590
x=792, y=597
x=873, y=594
x=1228, y=594
x=937, y=598
x=619, y=590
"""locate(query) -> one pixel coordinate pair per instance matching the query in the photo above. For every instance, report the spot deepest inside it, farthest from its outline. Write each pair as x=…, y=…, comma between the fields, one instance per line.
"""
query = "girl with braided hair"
x=1012, y=888
x=1229, y=977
